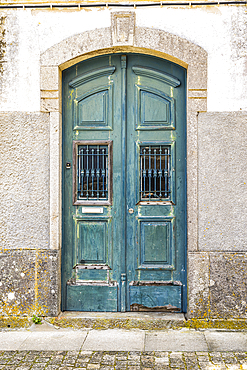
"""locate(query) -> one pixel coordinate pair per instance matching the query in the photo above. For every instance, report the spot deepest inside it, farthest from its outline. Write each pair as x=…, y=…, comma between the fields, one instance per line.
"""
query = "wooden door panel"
x=93, y=109
x=154, y=109
x=92, y=298
x=158, y=296
x=157, y=244
x=91, y=241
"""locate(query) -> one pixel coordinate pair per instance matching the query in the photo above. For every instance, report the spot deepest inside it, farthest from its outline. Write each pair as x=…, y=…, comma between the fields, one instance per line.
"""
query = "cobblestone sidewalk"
x=105, y=360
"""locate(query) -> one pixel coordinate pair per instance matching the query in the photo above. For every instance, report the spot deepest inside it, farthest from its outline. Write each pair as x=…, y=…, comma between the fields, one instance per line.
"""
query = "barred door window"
x=155, y=172
x=92, y=172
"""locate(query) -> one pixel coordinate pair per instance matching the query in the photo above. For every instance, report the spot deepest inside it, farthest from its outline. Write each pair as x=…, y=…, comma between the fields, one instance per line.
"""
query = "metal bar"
x=103, y=172
x=149, y=173
x=87, y=173
x=106, y=170
x=168, y=172
x=80, y=175
x=92, y=173
x=144, y=173
x=98, y=171
x=160, y=172
x=155, y=174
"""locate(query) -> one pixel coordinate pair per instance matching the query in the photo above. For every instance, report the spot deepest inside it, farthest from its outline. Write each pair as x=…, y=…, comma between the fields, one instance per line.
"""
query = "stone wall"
x=28, y=268
x=217, y=278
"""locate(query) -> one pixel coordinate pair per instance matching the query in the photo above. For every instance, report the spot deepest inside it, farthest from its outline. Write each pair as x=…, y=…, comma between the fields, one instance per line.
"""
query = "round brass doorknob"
x=131, y=211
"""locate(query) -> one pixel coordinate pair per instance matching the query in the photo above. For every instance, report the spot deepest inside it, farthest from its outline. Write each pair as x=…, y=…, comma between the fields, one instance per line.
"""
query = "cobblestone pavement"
x=105, y=360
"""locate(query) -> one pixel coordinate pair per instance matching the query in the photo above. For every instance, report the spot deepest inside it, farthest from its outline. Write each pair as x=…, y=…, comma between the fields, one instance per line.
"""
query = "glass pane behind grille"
x=155, y=172
x=92, y=172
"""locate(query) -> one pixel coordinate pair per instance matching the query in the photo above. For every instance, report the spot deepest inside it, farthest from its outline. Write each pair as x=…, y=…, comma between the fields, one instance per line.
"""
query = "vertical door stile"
x=124, y=128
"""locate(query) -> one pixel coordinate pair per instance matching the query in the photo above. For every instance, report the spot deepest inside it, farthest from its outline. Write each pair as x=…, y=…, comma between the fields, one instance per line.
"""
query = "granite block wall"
x=218, y=269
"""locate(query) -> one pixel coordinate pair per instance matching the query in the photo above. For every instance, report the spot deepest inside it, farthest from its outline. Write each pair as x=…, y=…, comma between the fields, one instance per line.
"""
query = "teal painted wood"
x=158, y=297
x=91, y=298
x=138, y=239
x=172, y=133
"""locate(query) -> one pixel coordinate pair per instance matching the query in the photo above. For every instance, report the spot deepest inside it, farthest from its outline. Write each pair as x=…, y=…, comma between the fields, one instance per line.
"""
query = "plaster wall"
x=221, y=31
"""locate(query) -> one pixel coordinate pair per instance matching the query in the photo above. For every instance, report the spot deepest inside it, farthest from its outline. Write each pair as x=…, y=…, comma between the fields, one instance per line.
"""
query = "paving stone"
x=82, y=361
x=161, y=360
x=115, y=339
x=4, y=361
x=120, y=366
x=55, y=362
x=15, y=362
x=54, y=341
x=96, y=358
x=121, y=357
x=85, y=353
x=84, y=358
x=134, y=357
x=203, y=358
x=108, y=360
x=134, y=360
x=205, y=365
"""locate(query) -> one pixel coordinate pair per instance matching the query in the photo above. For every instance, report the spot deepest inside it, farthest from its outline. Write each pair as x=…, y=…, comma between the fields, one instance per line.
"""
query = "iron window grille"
x=155, y=173
x=92, y=172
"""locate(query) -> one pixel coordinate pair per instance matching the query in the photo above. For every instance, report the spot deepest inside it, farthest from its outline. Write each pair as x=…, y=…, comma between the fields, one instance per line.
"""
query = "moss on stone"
x=15, y=322
x=234, y=324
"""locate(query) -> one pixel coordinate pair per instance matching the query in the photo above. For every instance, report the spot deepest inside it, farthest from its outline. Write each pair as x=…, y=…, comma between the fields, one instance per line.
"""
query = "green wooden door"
x=124, y=185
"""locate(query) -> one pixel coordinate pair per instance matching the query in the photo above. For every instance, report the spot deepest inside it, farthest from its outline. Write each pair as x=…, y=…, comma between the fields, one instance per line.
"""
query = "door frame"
x=104, y=41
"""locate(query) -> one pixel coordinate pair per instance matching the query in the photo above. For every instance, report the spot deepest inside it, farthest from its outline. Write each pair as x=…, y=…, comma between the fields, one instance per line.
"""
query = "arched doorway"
x=124, y=185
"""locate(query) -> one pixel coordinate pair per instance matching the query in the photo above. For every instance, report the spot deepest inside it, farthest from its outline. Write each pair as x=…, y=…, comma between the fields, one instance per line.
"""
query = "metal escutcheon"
x=131, y=211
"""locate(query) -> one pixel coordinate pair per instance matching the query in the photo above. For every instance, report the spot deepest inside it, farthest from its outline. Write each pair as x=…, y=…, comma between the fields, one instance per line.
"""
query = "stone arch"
x=114, y=40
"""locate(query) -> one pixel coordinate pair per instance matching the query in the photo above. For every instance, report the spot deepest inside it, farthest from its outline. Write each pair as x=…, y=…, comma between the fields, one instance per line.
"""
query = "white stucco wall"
x=221, y=31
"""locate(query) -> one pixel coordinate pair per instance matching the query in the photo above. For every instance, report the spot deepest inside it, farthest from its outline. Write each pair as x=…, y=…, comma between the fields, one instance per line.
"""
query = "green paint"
x=127, y=100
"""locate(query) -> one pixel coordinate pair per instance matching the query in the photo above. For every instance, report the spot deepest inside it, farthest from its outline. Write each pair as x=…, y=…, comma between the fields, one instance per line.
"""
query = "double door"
x=124, y=185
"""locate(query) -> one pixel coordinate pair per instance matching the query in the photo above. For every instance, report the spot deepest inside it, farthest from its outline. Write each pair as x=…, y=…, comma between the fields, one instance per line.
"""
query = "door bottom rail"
x=135, y=307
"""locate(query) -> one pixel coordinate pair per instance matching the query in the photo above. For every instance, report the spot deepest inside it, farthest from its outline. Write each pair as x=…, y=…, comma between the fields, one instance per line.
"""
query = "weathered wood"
x=131, y=255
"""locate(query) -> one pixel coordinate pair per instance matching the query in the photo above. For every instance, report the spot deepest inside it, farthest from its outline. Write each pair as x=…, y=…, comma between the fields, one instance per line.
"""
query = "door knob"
x=131, y=211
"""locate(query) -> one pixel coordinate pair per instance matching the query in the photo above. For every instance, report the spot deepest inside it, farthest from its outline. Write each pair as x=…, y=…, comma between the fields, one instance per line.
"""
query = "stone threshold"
x=124, y=320
x=119, y=320
x=101, y=320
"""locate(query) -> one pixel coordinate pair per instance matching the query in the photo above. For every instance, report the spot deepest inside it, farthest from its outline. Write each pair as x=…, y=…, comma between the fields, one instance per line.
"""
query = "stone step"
x=119, y=320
